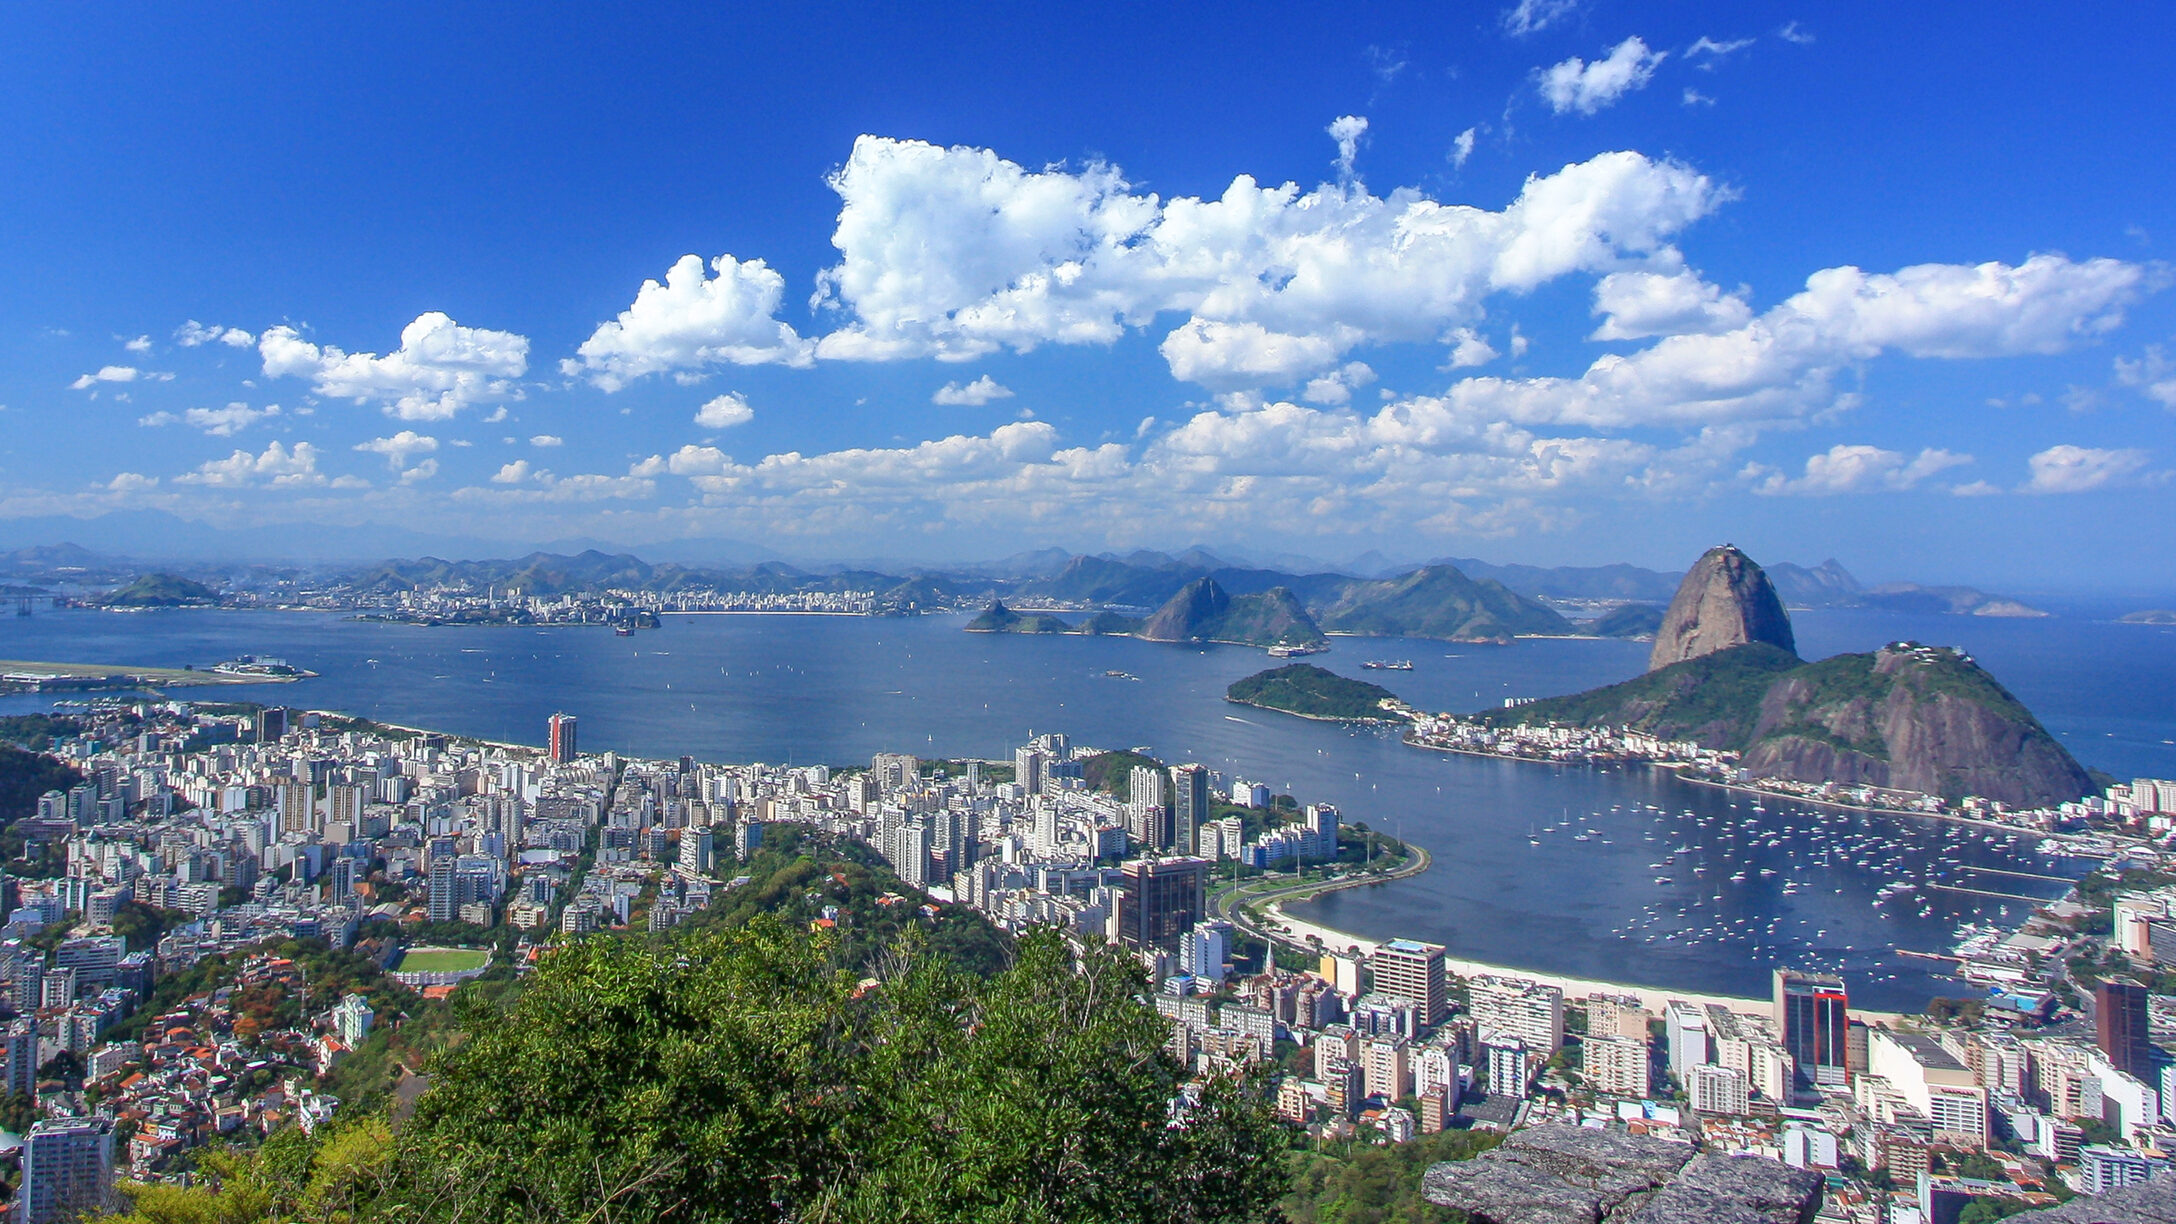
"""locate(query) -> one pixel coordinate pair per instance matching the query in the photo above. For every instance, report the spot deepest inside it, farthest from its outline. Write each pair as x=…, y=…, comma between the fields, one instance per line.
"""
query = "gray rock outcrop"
x=1724, y=601
x=1576, y=1175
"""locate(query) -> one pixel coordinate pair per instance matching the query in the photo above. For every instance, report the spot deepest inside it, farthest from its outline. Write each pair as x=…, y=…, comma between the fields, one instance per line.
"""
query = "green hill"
x=1627, y=621
x=1203, y=612
x=1109, y=624
x=1907, y=716
x=1437, y=601
x=163, y=591
x=998, y=618
x=1313, y=692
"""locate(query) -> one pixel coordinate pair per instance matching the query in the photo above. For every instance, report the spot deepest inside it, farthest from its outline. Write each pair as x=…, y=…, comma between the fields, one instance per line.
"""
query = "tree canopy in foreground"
x=744, y=1075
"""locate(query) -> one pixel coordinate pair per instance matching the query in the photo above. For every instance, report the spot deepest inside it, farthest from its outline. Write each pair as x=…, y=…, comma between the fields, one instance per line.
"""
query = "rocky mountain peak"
x=1724, y=601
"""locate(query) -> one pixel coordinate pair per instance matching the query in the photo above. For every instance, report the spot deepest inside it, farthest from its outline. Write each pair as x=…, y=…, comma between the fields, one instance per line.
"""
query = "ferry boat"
x=1294, y=652
x=1388, y=665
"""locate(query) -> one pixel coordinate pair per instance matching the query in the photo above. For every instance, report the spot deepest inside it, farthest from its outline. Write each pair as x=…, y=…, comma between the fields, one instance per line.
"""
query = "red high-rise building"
x=562, y=738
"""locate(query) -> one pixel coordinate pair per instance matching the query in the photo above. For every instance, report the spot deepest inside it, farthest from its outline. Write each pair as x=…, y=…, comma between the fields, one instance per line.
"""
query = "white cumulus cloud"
x=1782, y=363
x=192, y=333
x=110, y=374
x=1576, y=85
x=440, y=368
x=218, y=422
x=691, y=321
x=2153, y=373
x=953, y=253
x=546, y=440
x=1636, y=305
x=1862, y=469
x=400, y=448
x=512, y=473
x=724, y=412
x=276, y=465
x=1347, y=130
x=2082, y=469
x=974, y=394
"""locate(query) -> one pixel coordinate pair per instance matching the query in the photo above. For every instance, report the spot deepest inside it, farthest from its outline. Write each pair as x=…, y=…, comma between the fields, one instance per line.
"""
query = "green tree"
x=1985, y=1209
x=323, y=1177
x=1368, y=1184
x=749, y=1075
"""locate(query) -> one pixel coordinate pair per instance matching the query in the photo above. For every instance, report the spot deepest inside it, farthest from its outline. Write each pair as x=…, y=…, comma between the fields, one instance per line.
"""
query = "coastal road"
x=1227, y=905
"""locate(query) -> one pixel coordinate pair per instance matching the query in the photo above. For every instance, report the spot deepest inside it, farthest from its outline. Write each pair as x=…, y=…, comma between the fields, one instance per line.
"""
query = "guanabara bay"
x=1512, y=612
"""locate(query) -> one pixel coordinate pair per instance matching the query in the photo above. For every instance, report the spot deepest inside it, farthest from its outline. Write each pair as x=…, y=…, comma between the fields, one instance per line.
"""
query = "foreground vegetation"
x=749, y=1075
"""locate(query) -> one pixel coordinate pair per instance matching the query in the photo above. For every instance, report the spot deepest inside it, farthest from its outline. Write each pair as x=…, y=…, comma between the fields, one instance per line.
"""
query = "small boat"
x=623, y=631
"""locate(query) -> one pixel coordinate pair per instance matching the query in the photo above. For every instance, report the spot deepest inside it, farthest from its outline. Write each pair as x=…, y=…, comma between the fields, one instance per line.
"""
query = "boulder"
x=1579, y=1175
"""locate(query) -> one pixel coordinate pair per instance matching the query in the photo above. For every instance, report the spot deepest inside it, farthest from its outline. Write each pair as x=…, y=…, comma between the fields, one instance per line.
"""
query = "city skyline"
x=1549, y=282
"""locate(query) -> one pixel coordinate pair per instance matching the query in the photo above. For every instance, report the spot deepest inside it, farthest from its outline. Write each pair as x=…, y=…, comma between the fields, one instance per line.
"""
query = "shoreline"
x=127, y=677
x=1322, y=718
x=1741, y=788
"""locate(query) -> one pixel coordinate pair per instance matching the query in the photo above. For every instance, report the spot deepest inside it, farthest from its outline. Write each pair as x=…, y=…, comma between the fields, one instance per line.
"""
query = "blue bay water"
x=810, y=689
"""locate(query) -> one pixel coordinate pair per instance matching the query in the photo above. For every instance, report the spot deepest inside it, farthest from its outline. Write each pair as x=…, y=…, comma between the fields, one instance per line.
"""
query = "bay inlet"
x=1617, y=873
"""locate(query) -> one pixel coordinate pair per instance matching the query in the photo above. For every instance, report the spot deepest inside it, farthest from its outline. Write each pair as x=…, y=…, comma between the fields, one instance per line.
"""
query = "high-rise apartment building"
x=1813, y=1016
x=1530, y=1013
x=2120, y=1027
x=561, y=740
x=1030, y=770
x=1160, y=900
x=1620, y=1065
x=67, y=1170
x=698, y=850
x=1189, y=806
x=1412, y=971
x=895, y=770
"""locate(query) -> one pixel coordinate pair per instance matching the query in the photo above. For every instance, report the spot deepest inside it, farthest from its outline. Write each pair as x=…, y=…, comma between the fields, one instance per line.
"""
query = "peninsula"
x=1725, y=677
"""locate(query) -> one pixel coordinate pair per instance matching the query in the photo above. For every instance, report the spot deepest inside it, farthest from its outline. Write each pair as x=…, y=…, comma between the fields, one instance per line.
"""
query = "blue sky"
x=1544, y=281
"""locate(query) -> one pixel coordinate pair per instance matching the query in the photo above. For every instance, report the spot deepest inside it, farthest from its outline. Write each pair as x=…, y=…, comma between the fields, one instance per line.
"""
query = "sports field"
x=442, y=960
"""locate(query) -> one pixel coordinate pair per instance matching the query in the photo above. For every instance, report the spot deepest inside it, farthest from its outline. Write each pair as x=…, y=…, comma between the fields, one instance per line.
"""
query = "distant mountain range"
x=1827, y=585
x=1458, y=599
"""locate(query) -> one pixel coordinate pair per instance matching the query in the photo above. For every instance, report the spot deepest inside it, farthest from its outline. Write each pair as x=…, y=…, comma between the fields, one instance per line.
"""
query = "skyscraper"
x=562, y=738
x=1148, y=817
x=67, y=1170
x=1028, y=765
x=1813, y=1015
x=1411, y=971
x=1159, y=900
x=2119, y=1024
x=1189, y=806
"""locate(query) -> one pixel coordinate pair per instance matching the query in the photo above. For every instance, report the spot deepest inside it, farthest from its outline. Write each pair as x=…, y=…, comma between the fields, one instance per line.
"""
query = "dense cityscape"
x=1510, y=612
x=237, y=835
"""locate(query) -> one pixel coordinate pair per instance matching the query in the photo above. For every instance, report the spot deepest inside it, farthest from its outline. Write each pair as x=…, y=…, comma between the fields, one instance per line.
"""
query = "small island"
x=1313, y=692
x=2151, y=616
x=1201, y=612
x=162, y=591
x=1000, y=619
